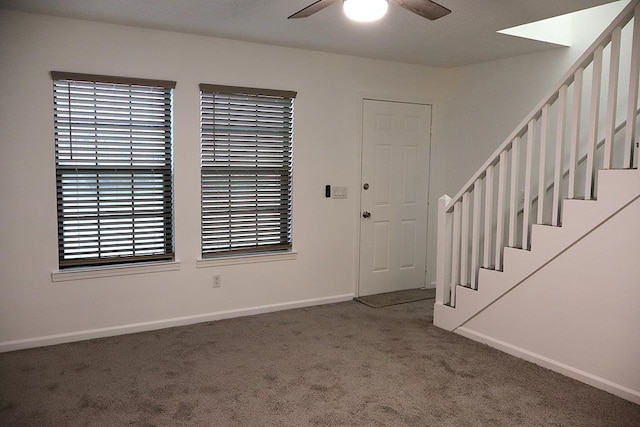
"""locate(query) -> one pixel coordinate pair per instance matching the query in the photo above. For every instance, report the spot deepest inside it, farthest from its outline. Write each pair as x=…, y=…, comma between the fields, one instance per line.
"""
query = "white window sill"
x=121, y=270
x=246, y=259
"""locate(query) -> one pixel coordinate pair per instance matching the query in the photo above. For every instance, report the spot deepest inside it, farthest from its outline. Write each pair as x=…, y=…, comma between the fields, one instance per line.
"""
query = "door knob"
x=366, y=214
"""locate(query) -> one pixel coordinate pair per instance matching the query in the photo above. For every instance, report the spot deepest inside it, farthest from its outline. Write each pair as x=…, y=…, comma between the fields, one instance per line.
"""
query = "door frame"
x=393, y=99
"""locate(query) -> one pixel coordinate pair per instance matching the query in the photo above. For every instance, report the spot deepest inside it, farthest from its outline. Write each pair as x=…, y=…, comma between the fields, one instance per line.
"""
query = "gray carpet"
x=394, y=298
x=340, y=364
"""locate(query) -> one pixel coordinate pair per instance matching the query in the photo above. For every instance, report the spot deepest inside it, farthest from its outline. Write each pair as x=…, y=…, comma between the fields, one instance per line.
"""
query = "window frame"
x=256, y=176
x=150, y=178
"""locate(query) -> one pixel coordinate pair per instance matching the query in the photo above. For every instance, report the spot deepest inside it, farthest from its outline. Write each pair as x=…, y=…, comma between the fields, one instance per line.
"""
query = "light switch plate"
x=339, y=192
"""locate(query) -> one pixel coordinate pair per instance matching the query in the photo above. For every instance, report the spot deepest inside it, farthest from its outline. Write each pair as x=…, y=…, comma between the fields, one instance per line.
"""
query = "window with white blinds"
x=246, y=165
x=113, y=141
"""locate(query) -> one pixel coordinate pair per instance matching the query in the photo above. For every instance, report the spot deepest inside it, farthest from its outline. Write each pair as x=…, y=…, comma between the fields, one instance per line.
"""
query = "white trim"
x=165, y=323
x=120, y=270
x=246, y=259
x=554, y=365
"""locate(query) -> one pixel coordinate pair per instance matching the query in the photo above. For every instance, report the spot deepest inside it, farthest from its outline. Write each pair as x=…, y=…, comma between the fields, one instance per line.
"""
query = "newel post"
x=445, y=223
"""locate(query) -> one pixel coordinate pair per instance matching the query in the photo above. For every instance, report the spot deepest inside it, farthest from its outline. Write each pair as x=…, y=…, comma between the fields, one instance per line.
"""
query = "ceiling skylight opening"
x=556, y=30
x=560, y=30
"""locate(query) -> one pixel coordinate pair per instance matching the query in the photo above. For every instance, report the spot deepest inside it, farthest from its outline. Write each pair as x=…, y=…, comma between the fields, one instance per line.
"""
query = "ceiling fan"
x=371, y=10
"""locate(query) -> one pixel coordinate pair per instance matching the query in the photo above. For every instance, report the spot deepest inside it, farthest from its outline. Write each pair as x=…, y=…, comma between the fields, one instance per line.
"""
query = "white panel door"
x=393, y=196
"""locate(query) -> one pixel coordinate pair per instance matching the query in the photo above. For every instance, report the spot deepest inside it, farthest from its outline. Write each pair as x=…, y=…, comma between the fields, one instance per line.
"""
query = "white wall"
x=327, y=151
x=579, y=314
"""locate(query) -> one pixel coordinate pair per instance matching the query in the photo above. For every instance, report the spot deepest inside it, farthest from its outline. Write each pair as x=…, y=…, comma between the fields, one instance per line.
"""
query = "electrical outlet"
x=217, y=280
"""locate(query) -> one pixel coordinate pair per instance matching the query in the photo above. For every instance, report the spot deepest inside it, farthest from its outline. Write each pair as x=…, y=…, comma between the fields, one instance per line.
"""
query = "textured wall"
x=468, y=112
x=327, y=151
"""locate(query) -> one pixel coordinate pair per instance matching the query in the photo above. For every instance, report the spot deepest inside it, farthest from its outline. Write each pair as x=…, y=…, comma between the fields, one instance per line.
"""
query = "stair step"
x=516, y=260
x=618, y=185
x=545, y=238
x=491, y=279
x=578, y=214
x=445, y=317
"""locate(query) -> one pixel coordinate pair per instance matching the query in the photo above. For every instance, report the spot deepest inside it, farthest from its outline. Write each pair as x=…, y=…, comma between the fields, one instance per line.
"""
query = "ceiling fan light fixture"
x=365, y=10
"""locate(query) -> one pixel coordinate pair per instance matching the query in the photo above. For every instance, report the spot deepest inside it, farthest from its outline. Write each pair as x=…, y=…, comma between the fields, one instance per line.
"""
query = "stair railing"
x=509, y=193
x=582, y=160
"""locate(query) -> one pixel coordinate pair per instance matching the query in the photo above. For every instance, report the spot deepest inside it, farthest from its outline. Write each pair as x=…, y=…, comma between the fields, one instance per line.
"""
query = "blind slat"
x=113, y=169
x=246, y=160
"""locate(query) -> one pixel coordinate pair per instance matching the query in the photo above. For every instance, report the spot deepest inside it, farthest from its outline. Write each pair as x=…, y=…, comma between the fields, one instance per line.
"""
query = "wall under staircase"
x=572, y=303
x=538, y=252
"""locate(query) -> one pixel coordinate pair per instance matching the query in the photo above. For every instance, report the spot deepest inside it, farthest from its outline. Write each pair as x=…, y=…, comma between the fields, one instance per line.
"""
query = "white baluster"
x=464, y=243
x=594, y=115
x=475, y=232
x=455, y=253
x=444, y=252
x=544, y=131
x=612, y=102
x=488, y=216
x=557, y=173
x=526, y=215
x=630, y=134
x=502, y=182
x=575, y=132
x=515, y=191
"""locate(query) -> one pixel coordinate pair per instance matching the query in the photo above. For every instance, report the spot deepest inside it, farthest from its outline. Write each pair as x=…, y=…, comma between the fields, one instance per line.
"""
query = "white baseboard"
x=553, y=365
x=165, y=323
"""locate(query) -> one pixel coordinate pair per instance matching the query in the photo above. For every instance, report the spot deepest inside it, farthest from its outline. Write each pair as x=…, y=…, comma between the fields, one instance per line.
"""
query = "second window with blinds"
x=246, y=170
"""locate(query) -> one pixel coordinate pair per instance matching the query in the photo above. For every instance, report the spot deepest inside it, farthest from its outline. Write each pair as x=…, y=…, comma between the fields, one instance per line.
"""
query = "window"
x=113, y=140
x=246, y=160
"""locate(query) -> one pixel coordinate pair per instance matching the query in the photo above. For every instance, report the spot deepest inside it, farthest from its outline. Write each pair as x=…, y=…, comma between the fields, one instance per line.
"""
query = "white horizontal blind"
x=113, y=169
x=246, y=161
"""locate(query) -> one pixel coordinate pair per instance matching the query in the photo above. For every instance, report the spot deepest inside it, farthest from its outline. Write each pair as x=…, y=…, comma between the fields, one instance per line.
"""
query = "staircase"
x=568, y=170
x=619, y=189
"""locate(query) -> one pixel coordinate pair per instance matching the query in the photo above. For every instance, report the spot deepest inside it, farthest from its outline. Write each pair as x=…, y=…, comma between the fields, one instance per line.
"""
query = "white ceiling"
x=468, y=35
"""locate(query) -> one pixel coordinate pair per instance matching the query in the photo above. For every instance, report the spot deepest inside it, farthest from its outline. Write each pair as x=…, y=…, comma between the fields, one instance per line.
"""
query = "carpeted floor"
x=341, y=364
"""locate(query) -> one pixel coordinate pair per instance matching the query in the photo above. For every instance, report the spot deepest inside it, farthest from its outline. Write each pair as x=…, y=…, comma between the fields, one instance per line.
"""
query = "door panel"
x=381, y=182
x=381, y=246
x=395, y=165
x=408, y=244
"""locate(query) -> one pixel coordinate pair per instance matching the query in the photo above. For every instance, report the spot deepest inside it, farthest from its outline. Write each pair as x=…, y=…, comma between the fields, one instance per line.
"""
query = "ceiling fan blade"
x=425, y=8
x=312, y=8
